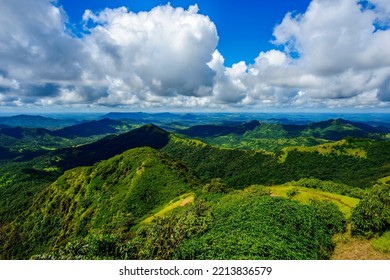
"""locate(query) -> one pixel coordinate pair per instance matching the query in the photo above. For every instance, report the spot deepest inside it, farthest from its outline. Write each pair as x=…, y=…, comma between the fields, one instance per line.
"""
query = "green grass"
x=109, y=197
x=183, y=200
x=187, y=141
x=338, y=148
x=384, y=180
x=382, y=243
x=304, y=195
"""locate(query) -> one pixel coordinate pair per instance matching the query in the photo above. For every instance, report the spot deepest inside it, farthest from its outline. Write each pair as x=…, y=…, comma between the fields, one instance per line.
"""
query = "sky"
x=136, y=55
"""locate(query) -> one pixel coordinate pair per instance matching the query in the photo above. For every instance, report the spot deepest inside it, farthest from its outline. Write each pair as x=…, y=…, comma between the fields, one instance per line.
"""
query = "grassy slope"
x=337, y=148
x=305, y=195
x=347, y=247
x=358, y=163
x=107, y=197
x=20, y=181
x=274, y=137
x=177, y=202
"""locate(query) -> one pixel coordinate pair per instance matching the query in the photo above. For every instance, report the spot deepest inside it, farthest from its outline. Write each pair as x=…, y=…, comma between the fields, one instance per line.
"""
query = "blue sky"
x=244, y=27
x=198, y=55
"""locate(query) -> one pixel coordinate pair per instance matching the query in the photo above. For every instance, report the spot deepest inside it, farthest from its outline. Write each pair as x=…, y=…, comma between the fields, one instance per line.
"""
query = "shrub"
x=216, y=185
x=372, y=214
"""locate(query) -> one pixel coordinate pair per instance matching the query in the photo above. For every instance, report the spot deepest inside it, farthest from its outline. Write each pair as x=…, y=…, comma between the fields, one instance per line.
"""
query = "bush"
x=263, y=227
x=330, y=217
x=372, y=214
x=293, y=192
x=216, y=185
x=382, y=243
x=160, y=238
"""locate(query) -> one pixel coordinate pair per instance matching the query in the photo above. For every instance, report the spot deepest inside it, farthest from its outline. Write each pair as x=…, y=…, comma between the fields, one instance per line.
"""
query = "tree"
x=372, y=214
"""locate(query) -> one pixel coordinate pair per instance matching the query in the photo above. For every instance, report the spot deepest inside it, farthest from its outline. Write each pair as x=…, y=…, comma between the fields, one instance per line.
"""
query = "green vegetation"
x=20, y=141
x=382, y=243
x=337, y=148
x=239, y=168
x=306, y=196
x=19, y=183
x=109, y=197
x=372, y=215
x=245, y=224
x=330, y=186
x=259, y=191
x=182, y=201
x=255, y=226
x=275, y=137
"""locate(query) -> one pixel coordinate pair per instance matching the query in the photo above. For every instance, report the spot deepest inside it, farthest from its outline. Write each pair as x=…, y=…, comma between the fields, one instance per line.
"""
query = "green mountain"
x=93, y=128
x=108, y=197
x=25, y=141
x=218, y=130
x=151, y=194
x=148, y=135
x=357, y=163
x=30, y=172
x=274, y=137
x=36, y=121
x=22, y=140
x=329, y=130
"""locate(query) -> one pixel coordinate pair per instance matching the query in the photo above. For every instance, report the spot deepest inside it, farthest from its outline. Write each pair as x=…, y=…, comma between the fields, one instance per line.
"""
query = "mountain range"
x=153, y=193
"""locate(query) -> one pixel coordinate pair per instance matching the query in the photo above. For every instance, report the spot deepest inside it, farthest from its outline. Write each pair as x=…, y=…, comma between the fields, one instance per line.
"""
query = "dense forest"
x=181, y=188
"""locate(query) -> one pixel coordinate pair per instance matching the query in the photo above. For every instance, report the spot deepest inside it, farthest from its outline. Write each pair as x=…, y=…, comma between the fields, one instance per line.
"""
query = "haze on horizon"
x=324, y=55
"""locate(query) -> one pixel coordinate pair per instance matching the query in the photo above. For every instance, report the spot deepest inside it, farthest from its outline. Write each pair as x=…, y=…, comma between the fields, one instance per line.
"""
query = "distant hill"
x=36, y=121
x=108, y=197
x=219, y=130
x=148, y=135
x=253, y=133
x=139, y=116
x=87, y=129
x=24, y=132
x=19, y=140
x=340, y=128
x=355, y=162
x=23, y=139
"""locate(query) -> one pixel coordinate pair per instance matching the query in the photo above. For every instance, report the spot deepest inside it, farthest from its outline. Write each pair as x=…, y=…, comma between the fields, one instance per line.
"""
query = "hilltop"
x=107, y=197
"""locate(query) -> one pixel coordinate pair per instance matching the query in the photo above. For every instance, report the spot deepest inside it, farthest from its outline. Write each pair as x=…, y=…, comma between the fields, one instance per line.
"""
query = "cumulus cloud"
x=123, y=57
x=164, y=51
x=335, y=54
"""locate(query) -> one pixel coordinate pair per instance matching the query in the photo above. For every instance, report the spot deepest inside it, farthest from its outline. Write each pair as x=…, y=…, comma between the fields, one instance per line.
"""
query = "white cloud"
x=123, y=58
x=164, y=51
x=339, y=56
x=333, y=55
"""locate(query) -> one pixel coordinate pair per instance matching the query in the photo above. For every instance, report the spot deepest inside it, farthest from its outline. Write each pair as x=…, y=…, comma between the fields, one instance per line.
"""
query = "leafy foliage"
x=274, y=137
x=159, y=239
x=382, y=243
x=106, y=198
x=249, y=226
x=239, y=168
x=127, y=204
x=330, y=186
x=372, y=214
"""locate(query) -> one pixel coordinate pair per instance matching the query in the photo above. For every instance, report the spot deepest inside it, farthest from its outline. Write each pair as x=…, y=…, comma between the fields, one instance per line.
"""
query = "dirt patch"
x=187, y=200
x=357, y=249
